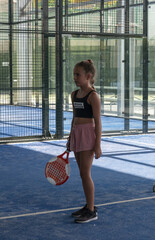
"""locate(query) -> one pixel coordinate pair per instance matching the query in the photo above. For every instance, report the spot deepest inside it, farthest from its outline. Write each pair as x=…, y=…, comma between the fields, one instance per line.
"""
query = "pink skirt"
x=82, y=137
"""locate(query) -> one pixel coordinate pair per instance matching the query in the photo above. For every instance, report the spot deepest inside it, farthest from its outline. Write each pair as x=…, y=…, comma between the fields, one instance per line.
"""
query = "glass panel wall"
x=35, y=96
x=151, y=65
x=136, y=83
x=108, y=56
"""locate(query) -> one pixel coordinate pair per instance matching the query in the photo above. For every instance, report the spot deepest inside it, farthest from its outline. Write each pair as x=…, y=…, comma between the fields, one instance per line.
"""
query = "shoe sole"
x=86, y=221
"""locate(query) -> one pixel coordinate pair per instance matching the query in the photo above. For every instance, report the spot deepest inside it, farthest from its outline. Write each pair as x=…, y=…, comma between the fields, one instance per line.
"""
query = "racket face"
x=57, y=171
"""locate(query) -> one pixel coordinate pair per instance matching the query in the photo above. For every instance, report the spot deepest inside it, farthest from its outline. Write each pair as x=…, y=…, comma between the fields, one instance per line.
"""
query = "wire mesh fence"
x=106, y=17
x=31, y=103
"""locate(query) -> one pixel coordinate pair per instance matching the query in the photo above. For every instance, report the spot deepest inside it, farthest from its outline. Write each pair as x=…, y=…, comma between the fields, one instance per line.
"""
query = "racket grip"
x=63, y=154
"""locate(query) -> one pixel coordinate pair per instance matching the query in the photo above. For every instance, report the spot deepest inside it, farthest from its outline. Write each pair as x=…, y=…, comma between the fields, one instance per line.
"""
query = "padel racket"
x=57, y=170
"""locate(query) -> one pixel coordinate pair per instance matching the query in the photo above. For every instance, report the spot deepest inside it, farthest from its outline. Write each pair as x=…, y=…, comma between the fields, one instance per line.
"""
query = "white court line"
x=70, y=209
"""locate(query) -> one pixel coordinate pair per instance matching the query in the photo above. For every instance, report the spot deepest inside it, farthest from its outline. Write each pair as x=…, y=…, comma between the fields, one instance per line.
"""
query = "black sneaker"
x=79, y=212
x=82, y=211
x=87, y=216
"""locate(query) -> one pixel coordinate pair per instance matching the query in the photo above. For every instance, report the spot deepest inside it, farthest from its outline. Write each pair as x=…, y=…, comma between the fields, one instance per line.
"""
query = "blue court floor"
x=32, y=209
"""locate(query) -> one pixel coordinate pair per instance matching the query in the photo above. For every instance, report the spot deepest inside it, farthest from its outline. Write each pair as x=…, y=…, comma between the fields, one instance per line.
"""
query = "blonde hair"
x=88, y=67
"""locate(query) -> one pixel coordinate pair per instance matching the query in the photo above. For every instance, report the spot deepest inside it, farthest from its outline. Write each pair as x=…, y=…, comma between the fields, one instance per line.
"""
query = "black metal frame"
x=58, y=34
x=45, y=81
x=59, y=70
x=10, y=9
x=145, y=67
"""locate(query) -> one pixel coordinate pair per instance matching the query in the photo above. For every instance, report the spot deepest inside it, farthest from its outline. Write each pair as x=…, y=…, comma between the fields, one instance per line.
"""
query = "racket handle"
x=65, y=158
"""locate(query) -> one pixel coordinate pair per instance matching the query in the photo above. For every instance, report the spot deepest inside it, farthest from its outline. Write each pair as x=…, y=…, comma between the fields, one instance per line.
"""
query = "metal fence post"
x=126, y=70
x=10, y=8
x=45, y=80
x=145, y=66
x=59, y=70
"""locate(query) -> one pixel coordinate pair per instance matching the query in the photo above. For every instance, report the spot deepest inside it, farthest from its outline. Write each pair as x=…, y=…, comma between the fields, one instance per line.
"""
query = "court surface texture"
x=33, y=209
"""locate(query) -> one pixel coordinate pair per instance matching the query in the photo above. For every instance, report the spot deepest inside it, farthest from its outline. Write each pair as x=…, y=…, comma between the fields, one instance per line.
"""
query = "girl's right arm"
x=96, y=106
x=68, y=142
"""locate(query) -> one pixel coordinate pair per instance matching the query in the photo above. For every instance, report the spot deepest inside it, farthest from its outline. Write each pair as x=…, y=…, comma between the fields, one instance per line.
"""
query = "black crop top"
x=82, y=109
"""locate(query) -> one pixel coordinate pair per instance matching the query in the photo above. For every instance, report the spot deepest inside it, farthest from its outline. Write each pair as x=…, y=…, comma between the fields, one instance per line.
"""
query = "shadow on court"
x=33, y=209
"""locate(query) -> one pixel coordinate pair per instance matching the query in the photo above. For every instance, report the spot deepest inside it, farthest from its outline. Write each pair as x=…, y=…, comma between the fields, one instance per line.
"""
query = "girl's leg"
x=84, y=160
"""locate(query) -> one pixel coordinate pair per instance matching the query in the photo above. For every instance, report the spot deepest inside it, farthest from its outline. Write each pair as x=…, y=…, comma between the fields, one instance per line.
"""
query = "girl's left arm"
x=96, y=106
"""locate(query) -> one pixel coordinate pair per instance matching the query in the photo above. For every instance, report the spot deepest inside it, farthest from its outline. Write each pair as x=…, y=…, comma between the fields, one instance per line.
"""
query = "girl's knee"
x=85, y=175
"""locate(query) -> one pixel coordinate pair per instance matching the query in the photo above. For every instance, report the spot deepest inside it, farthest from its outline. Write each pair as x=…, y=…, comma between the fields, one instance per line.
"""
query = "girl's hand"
x=98, y=152
x=68, y=144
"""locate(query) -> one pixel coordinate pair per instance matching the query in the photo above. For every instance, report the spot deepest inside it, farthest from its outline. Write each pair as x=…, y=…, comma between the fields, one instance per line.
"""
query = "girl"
x=85, y=136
